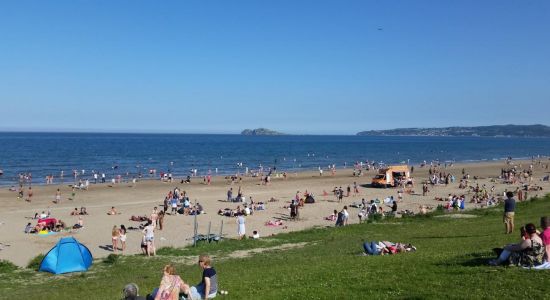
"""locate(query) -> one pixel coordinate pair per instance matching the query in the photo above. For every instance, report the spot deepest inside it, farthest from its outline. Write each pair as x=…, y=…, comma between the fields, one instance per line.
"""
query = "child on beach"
x=58, y=196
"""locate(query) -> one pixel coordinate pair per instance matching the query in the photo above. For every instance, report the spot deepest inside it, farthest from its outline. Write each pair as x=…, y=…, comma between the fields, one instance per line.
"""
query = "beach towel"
x=45, y=232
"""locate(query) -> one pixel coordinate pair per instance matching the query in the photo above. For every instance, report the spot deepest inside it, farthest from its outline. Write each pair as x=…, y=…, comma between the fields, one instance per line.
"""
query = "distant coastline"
x=536, y=130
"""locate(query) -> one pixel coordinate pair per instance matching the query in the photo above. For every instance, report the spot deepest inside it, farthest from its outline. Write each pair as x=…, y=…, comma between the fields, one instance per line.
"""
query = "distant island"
x=260, y=131
x=536, y=130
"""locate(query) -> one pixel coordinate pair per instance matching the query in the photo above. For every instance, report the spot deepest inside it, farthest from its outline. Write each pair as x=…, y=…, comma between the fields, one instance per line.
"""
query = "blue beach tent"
x=67, y=256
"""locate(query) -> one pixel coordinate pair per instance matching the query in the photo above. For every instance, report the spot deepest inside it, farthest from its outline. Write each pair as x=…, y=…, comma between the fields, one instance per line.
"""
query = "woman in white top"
x=149, y=232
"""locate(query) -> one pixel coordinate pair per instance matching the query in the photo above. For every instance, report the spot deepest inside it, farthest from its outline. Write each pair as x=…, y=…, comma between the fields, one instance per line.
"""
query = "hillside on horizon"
x=509, y=130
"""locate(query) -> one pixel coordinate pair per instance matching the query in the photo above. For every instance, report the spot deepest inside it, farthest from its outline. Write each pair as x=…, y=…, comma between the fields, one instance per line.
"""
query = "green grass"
x=451, y=262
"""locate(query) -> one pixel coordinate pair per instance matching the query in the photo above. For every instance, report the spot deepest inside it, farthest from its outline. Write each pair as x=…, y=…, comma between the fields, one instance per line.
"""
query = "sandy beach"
x=139, y=199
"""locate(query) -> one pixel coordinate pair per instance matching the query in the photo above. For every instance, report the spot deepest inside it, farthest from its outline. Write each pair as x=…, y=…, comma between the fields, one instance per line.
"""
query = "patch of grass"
x=34, y=264
x=451, y=262
x=7, y=266
x=111, y=259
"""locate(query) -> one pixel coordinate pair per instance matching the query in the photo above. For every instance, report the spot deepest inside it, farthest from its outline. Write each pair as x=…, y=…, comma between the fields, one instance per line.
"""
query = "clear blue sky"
x=313, y=67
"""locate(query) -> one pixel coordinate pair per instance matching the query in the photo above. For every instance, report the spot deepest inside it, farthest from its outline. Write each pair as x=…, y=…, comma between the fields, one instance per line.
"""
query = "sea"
x=134, y=155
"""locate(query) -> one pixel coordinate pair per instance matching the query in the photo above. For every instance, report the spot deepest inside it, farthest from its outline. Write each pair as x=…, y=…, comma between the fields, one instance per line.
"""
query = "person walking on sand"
x=509, y=212
x=29, y=195
x=241, y=229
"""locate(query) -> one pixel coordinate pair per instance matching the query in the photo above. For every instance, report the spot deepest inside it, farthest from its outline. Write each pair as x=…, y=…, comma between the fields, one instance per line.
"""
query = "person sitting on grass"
x=170, y=285
x=208, y=287
x=528, y=252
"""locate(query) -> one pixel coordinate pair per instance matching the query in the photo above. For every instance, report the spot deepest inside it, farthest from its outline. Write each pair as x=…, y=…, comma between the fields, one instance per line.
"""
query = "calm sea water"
x=50, y=153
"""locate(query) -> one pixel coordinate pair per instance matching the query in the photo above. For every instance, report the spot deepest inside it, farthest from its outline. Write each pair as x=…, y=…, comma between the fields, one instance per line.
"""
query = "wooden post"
x=195, y=231
x=221, y=231
x=209, y=225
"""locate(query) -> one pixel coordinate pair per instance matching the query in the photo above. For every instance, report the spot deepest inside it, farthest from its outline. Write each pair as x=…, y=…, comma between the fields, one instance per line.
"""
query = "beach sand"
x=178, y=230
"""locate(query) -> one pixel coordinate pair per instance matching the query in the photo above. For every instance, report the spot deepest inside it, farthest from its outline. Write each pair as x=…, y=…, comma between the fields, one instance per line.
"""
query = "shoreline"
x=140, y=199
x=178, y=176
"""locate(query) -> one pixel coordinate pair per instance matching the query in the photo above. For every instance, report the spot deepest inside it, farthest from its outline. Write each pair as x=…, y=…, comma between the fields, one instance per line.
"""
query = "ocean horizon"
x=131, y=154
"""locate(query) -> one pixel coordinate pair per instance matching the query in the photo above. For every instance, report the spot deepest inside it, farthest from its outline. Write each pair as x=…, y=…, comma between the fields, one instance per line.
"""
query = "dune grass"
x=451, y=262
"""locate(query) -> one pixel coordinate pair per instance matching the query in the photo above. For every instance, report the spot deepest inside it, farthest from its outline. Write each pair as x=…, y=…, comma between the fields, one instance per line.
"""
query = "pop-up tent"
x=67, y=256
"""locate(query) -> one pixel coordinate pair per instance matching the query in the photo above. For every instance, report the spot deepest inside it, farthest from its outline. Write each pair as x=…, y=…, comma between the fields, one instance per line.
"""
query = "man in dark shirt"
x=208, y=287
x=509, y=210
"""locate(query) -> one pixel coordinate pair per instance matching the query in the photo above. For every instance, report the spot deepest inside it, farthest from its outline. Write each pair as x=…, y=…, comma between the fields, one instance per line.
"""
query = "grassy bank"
x=323, y=263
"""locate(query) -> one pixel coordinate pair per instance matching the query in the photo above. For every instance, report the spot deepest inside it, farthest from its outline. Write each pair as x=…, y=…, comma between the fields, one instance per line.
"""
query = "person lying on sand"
x=275, y=223
x=139, y=218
